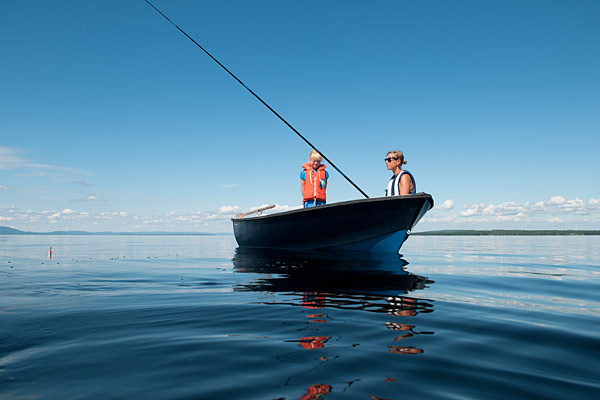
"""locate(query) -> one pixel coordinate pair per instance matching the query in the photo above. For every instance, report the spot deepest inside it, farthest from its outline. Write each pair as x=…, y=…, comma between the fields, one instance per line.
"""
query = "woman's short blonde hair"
x=397, y=154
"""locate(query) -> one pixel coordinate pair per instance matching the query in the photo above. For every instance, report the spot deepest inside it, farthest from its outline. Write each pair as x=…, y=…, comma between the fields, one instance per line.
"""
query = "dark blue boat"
x=380, y=224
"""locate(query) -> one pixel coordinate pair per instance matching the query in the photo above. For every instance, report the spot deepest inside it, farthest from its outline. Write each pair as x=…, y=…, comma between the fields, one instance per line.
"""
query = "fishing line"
x=259, y=99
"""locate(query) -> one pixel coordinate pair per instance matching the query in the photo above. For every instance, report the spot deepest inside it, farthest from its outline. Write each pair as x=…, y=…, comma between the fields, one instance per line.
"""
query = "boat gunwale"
x=337, y=204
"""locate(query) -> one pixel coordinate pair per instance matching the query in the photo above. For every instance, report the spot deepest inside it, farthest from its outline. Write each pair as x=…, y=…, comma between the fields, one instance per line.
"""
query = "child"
x=313, y=181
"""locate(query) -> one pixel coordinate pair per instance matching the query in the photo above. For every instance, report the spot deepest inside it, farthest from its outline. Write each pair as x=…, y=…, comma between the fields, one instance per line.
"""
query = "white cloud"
x=470, y=211
x=3, y=187
x=556, y=204
x=11, y=158
x=90, y=198
x=446, y=205
x=111, y=214
x=228, y=209
x=65, y=214
x=216, y=221
x=576, y=206
x=510, y=208
x=556, y=212
x=556, y=200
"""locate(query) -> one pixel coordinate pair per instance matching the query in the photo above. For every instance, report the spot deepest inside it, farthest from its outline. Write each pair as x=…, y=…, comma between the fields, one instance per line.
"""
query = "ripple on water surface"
x=192, y=317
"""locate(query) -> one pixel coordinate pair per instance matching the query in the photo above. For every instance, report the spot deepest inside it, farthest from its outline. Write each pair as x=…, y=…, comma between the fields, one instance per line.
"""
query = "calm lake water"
x=192, y=317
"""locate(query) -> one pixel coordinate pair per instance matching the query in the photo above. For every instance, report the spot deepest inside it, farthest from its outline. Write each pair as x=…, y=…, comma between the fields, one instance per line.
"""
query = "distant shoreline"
x=508, y=232
x=4, y=230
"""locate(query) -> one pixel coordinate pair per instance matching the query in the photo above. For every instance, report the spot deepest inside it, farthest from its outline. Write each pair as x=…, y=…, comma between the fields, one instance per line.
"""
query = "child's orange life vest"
x=315, y=183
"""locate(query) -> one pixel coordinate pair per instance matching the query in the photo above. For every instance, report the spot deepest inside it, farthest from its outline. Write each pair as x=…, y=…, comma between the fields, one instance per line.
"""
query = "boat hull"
x=379, y=224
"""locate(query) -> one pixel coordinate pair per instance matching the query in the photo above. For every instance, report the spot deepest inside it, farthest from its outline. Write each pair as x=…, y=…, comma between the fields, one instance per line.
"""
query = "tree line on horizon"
x=508, y=232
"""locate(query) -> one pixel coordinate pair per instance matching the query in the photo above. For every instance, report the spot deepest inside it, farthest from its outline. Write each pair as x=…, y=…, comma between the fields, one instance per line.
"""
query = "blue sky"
x=111, y=119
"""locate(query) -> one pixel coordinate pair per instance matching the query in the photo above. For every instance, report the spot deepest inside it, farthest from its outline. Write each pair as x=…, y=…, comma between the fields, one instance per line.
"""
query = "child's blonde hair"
x=314, y=156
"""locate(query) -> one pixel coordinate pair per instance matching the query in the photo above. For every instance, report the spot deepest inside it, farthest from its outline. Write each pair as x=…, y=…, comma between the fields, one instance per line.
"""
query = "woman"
x=402, y=182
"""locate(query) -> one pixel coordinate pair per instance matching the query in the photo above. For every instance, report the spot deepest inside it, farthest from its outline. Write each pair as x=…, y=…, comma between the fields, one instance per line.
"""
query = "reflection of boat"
x=319, y=281
x=379, y=224
x=371, y=282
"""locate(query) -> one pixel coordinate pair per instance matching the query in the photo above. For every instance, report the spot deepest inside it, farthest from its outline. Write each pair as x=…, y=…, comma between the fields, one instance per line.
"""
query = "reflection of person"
x=313, y=342
x=403, y=306
x=404, y=350
x=313, y=300
x=402, y=182
x=316, y=391
x=314, y=181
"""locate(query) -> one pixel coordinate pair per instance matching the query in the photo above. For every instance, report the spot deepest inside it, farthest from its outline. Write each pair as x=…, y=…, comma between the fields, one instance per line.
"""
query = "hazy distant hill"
x=5, y=230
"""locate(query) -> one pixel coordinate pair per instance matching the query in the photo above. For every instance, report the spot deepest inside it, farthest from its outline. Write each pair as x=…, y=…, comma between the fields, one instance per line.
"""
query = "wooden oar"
x=257, y=211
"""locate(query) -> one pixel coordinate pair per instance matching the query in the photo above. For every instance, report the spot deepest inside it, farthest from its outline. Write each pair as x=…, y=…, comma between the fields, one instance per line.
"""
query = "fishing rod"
x=258, y=98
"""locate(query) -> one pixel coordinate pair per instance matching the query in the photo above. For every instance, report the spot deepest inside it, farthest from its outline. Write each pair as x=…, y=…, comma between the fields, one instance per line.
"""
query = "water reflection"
x=316, y=391
x=318, y=281
x=360, y=275
x=367, y=282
